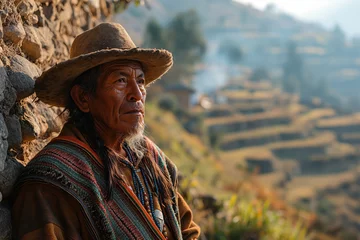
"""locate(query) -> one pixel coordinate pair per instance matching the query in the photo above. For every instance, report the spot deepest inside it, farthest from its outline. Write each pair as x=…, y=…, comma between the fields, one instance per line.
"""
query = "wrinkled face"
x=119, y=102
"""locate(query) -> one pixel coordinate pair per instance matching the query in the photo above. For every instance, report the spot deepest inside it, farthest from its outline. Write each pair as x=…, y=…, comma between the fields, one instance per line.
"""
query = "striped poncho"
x=76, y=169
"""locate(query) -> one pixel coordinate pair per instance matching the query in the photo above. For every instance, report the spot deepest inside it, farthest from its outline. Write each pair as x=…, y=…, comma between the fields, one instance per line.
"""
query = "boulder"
x=38, y=43
x=21, y=74
x=32, y=19
x=1, y=29
x=66, y=13
x=31, y=45
x=29, y=127
x=5, y=221
x=3, y=142
x=9, y=175
x=3, y=79
x=26, y=7
x=38, y=120
x=14, y=33
x=9, y=98
x=13, y=125
x=40, y=16
x=45, y=36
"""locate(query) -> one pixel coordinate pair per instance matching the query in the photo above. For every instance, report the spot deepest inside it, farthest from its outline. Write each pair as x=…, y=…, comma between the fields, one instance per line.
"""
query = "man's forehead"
x=119, y=64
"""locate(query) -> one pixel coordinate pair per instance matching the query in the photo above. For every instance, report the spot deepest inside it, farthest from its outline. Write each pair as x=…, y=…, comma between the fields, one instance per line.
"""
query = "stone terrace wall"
x=34, y=34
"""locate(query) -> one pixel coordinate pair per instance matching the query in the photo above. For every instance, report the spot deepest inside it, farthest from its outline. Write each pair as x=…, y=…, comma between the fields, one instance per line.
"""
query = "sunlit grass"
x=340, y=121
x=241, y=219
x=265, y=132
x=314, y=115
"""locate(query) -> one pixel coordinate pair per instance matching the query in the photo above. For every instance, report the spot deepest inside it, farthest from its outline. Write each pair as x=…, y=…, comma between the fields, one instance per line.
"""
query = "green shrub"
x=168, y=102
x=242, y=219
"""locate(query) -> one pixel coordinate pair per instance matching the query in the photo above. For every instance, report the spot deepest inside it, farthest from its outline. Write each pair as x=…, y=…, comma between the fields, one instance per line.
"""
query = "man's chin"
x=135, y=141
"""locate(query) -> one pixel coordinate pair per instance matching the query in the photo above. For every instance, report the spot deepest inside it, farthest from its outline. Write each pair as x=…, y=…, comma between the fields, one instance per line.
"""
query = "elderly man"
x=101, y=178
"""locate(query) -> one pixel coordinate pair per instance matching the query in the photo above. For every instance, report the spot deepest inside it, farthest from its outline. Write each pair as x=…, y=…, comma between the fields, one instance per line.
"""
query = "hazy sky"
x=327, y=12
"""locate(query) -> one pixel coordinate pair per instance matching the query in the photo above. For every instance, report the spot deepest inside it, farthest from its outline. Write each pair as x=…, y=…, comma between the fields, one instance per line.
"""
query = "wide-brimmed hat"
x=104, y=43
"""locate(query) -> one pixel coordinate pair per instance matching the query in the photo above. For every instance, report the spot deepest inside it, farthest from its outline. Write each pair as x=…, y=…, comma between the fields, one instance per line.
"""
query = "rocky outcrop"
x=34, y=35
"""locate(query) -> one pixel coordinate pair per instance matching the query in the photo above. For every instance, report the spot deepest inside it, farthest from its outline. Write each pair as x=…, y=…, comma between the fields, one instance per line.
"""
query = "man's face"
x=119, y=101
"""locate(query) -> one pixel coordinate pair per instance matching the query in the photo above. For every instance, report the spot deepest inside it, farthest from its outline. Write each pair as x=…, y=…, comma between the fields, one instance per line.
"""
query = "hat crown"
x=103, y=36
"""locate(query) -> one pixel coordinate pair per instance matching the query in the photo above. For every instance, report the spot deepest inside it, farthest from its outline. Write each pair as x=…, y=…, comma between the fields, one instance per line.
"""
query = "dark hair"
x=85, y=124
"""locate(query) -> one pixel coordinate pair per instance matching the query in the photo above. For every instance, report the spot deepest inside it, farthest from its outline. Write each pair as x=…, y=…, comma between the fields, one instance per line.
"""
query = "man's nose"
x=134, y=93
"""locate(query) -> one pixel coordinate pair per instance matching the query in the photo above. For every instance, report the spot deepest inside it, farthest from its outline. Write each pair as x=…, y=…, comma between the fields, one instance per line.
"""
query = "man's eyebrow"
x=127, y=74
x=122, y=73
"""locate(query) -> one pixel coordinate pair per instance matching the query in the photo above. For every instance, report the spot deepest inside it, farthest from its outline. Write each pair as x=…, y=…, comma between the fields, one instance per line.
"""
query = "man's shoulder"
x=159, y=155
x=56, y=159
x=163, y=160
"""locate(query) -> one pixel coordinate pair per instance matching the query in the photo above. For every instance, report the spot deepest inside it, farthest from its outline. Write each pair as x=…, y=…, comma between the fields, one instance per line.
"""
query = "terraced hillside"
x=309, y=153
x=218, y=200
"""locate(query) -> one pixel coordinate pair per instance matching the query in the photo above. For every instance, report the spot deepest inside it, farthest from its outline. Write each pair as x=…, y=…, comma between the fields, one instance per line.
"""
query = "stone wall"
x=34, y=35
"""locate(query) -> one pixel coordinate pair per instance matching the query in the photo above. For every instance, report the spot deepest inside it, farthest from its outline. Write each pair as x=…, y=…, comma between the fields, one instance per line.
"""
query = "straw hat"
x=104, y=43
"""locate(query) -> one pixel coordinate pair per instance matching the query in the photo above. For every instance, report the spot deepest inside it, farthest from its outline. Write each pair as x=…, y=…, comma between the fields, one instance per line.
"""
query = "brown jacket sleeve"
x=189, y=229
x=41, y=211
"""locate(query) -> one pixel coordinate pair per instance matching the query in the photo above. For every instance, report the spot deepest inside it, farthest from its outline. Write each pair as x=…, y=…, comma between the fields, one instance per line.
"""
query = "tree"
x=293, y=69
x=122, y=5
x=154, y=35
x=185, y=37
x=259, y=74
x=231, y=51
x=337, y=40
x=187, y=43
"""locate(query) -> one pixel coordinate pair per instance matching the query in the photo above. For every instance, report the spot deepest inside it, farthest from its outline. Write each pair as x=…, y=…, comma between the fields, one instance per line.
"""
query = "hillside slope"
x=216, y=195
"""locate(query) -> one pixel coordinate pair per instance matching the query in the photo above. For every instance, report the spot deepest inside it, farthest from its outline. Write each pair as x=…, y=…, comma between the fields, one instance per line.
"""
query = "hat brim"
x=53, y=86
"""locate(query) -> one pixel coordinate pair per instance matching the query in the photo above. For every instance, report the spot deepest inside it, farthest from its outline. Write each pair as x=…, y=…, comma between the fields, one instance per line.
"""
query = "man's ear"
x=80, y=97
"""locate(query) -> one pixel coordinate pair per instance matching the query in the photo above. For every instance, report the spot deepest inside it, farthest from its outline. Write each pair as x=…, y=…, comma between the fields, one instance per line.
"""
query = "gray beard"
x=136, y=143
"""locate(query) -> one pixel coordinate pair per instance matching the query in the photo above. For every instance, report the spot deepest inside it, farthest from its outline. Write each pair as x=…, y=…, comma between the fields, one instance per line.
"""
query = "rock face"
x=13, y=125
x=8, y=176
x=5, y=221
x=3, y=142
x=14, y=33
x=37, y=43
x=21, y=74
x=34, y=35
x=3, y=79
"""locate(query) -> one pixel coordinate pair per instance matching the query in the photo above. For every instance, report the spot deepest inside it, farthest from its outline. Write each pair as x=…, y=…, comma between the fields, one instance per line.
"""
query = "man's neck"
x=112, y=139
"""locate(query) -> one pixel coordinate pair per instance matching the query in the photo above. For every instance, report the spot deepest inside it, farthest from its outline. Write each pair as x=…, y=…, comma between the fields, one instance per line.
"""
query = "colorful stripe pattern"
x=74, y=168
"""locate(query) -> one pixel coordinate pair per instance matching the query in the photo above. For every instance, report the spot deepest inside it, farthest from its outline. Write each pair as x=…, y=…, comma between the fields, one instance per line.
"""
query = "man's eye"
x=122, y=79
x=141, y=81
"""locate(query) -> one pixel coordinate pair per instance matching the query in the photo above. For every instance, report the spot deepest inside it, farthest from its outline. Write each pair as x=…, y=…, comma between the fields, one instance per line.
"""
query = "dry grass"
x=296, y=108
x=250, y=85
x=315, y=114
x=289, y=165
x=186, y=150
x=304, y=185
x=234, y=162
x=337, y=151
x=350, y=136
x=319, y=140
x=245, y=95
x=340, y=121
x=345, y=205
x=249, y=106
x=262, y=85
x=224, y=120
x=216, y=107
x=303, y=192
x=270, y=115
x=265, y=132
x=243, y=153
x=271, y=180
x=340, y=150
